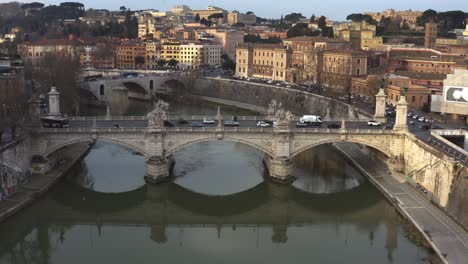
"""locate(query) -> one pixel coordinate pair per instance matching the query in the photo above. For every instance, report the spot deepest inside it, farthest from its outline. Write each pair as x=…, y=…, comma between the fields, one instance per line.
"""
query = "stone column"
x=54, y=102
x=401, y=114
x=465, y=147
x=380, y=98
x=280, y=169
x=157, y=169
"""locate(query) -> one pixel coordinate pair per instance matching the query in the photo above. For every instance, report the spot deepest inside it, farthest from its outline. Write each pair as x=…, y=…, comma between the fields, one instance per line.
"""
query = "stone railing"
x=90, y=130
x=91, y=118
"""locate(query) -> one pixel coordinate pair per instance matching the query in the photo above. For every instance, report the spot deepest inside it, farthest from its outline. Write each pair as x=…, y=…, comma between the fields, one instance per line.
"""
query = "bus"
x=55, y=121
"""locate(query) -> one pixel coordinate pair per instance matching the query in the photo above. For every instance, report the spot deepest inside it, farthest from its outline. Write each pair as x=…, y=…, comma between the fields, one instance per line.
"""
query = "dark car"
x=334, y=126
x=195, y=124
x=182, y=121
x=168, y=123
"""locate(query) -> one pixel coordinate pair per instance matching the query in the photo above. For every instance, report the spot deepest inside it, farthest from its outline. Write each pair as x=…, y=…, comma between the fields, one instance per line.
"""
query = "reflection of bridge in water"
x=166, y=205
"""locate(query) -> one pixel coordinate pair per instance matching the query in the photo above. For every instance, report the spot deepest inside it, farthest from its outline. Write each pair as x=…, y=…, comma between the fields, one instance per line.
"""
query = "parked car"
x=231, y=123
x=415, y=117
x=168, y=123
x=263, y=124
x=208, y=121
x=182, y=121
x=195, y=124
x=421, y=119
x=300, y=124
x=373, y=123
x=334, y=126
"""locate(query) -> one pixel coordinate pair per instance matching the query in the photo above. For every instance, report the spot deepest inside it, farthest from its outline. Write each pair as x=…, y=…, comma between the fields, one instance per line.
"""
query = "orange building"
x=129, y=54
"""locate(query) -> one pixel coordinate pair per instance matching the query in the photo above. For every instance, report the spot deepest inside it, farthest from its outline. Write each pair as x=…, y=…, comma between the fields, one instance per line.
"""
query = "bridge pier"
x=158, y=169
x=279, y=169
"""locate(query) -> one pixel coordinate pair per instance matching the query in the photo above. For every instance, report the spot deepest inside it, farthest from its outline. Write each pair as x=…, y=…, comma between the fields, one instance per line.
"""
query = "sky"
x=334, y=9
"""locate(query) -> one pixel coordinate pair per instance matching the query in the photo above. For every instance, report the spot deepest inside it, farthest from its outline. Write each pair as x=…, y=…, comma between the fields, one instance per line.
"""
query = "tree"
x=60, y=69
x=197, y=18
x=205, y=22
x=301, y=29
x=161, y=63
x=293, y=17
x=172, y=63
x=357, y=17
x=428, y=15
x=139, y=60
x=249, y=13
x=312, y=19
x=228, y=64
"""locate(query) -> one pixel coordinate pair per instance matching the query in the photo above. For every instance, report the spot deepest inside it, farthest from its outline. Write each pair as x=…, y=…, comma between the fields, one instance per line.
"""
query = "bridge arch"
x=172, y=147
x=125, y=143
x=373, y=144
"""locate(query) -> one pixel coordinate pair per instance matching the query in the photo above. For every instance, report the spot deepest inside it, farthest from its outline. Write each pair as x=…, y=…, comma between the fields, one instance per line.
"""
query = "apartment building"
x=361, y=35
x=408, y=16
x=34, y=52
x=268, y=61
x=170, y=49
x=131, y=55
x=340, y=66
x=153, y=55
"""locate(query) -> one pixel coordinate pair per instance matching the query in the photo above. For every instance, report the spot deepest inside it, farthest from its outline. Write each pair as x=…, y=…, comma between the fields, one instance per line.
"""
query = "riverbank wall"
x=260, y=95
x=40, y=184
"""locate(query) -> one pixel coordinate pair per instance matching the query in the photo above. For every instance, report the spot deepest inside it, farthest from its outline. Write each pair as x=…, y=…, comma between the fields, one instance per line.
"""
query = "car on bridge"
x=334, y=126
x=208, y=121
x=263, y=124
x=168, y=123
x=231, y=123
x=196, y=124
x=182, y=121
x=373, y=123
x=300, y=124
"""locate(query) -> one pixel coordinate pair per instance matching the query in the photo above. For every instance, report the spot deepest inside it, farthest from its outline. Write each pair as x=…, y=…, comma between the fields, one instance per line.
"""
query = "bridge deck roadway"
x=447, y=236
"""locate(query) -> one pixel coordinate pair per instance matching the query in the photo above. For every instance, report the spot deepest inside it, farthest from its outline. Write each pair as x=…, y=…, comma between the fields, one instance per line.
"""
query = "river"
x=218, y=208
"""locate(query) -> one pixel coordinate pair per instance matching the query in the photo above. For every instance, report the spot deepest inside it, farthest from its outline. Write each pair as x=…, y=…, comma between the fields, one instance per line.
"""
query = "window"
x=413, y=99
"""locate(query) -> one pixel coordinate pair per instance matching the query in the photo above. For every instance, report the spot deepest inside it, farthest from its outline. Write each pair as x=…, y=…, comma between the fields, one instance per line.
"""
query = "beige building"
x=33, y=52
x=153, y=55
x=236, y=17
x=268, y=61
x=146, y=27
x=408, y=16
x=340, y=66
x=361, y=35
x=170, y=49
x=230, y=40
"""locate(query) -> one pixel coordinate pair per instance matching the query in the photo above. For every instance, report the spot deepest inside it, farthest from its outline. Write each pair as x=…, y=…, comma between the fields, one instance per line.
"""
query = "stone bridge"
x=146, y=85
x=405, y=153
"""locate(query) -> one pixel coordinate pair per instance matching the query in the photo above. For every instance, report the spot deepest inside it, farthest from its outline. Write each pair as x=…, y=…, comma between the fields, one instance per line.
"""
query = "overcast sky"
x=335, y=9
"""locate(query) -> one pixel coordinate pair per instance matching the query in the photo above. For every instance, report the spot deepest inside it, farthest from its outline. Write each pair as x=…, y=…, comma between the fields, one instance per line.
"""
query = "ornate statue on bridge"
x=276, y=111
x=158, y=115
x=273, y=108
x=283, y=118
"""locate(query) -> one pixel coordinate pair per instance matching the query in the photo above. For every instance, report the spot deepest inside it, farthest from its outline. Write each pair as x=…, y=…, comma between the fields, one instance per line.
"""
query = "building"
x=268, y=61
x=235, y=17
x=453, y=103
x=430, y=35
x=181, y=10
x=146, y=27
x=211, y=10
x=230, y=40
x=408, y=16
x=130, y=55
x=34, y=52
x=273, y=34
x=153, y=55
x=361, y=35
x=212, y=55
x=86, y=56
x=340, y=66
x=170, y=50
x=191, y=56
x=416, y=96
